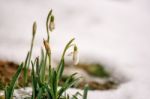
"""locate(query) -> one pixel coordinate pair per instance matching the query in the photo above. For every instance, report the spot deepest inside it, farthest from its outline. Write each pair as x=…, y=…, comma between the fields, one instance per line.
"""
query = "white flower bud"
x=51, y=24
x=75, y=56
x=34, y=29
x=47, y=47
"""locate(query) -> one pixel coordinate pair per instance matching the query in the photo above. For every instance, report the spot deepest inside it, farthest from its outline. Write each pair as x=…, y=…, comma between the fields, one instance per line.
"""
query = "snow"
x=115, y=32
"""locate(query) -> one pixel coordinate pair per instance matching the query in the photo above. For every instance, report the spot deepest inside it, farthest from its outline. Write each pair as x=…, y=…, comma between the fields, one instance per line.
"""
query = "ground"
x=115, y=32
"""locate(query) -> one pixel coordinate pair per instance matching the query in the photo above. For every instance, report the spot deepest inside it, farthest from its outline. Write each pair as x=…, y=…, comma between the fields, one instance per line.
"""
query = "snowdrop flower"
x=75, y=55
x=52, y=24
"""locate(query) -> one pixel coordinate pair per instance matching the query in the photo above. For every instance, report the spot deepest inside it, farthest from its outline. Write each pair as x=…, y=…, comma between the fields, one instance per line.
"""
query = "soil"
x=7, y=70
x=94, y=70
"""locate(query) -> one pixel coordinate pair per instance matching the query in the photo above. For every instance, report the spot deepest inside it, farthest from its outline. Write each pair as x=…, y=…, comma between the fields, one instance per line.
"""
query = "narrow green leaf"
x=42, y=58
x=43, y=69
x=10, y=89
x=85, y=91
x=68, y=83
x=49, y=91
x=67, y=46
x=60, y=69
x=41, y=90
x=75, y=96
x=34, y=81
x=55, y=84
x=26, y=69
x=37, y=67
x=52, y=82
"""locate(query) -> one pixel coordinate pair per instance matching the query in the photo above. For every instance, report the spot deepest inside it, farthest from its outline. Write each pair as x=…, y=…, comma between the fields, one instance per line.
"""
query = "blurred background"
x=113, y=29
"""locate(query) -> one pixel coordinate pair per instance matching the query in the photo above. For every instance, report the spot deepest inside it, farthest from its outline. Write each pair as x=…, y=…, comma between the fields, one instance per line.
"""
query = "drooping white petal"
x=75, y=57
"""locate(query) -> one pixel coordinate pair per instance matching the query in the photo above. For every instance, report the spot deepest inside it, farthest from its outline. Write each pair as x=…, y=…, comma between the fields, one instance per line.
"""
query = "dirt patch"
x=7, y=70
x=93, y=74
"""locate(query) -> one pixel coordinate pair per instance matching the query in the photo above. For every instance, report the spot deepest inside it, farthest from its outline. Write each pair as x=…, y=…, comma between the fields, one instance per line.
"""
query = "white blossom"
x=75, y=56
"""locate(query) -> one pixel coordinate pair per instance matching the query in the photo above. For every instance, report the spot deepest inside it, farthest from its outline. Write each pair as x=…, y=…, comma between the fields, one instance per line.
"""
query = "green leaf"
x=41, y=90
x=37, y=67
x=76, y=95
x=35, y=86
x=60, y=69
x=55, y=84
x=43, y=69
x=52, y=82
x=42, y=58
x=49, y=91
x=10, y=89
x=85, y=91
x=68, y=83
x=26, y=69
x=67, y=46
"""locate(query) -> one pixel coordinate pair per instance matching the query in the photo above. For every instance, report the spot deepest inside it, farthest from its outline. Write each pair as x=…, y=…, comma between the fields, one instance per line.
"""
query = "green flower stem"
x=47, y=25
x=28, y=61
x=44, y=69
x=67, y=47
x=60, y=67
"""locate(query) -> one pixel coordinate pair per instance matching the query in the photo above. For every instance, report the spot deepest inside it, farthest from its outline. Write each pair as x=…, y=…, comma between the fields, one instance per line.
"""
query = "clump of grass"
x=43, y=88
